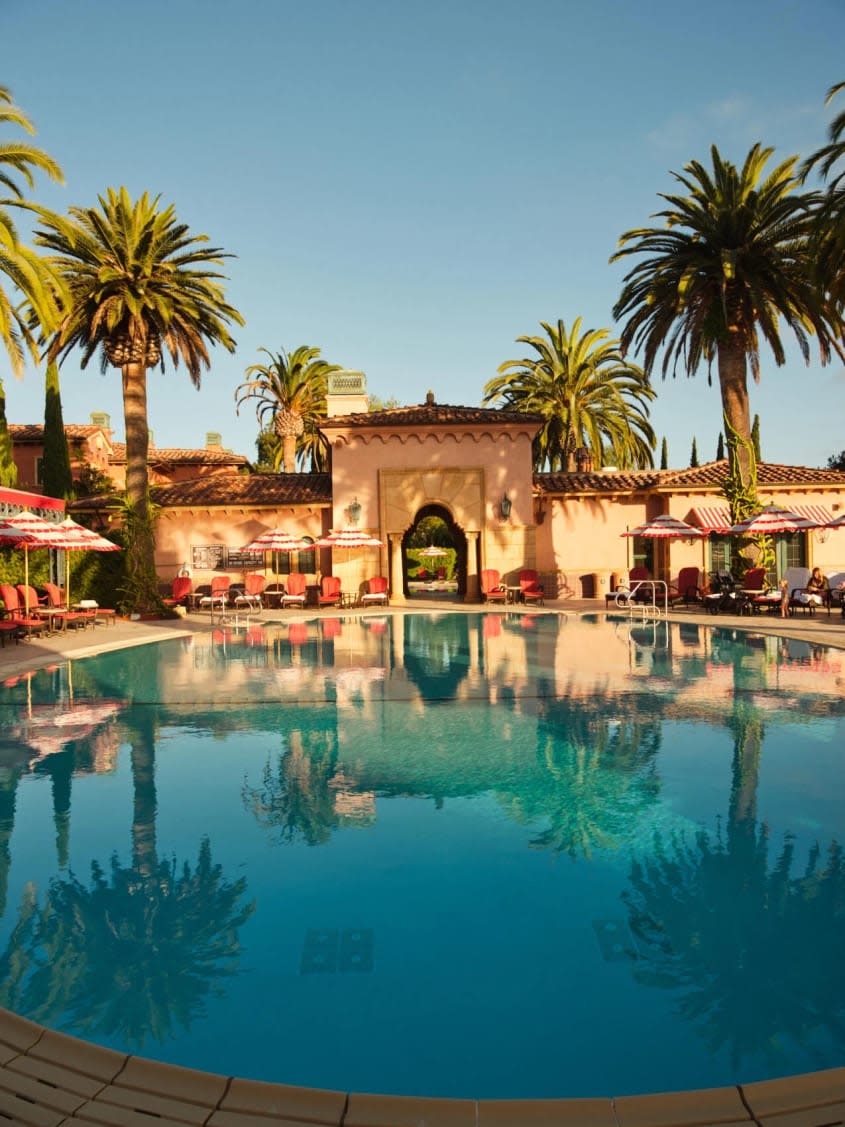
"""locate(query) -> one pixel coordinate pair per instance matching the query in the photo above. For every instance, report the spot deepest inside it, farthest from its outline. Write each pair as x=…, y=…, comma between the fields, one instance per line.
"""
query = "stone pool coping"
x=49, y=1079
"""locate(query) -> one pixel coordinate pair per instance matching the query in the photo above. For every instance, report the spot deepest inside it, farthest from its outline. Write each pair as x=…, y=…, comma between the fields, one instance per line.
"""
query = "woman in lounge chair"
x=817, y=587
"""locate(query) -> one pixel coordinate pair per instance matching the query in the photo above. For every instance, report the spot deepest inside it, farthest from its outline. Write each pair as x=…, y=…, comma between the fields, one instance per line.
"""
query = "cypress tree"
x=8, y=469
x=720, y=448
x=755, y=437
x=55, y=474
x=664, y=454
x=693, y=458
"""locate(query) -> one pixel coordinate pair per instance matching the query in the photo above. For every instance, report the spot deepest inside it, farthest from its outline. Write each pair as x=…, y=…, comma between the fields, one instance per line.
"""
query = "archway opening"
x=434, y=556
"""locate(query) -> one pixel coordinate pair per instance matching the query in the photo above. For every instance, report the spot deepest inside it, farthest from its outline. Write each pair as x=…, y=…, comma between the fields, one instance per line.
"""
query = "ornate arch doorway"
x=458, y=542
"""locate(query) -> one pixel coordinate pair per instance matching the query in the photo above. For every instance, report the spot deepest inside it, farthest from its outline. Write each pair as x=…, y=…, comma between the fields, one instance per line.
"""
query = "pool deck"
x=48, y=1079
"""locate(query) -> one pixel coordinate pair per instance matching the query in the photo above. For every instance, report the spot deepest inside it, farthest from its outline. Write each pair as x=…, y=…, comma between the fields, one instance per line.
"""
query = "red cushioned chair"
x=250, y=597
x=530, y=590
x=14, y=612
x=219, y=594
x=376, y=591
x=294, y=596
x=330, y=593
x=183, y=585
x=491, y=587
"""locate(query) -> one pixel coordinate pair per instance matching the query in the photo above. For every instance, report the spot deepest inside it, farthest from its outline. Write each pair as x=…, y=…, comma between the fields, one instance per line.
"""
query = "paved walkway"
x=50, y=1080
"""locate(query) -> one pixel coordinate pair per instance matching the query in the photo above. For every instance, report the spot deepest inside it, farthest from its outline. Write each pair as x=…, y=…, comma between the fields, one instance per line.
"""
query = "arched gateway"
x=459, y=543
x=473, y=463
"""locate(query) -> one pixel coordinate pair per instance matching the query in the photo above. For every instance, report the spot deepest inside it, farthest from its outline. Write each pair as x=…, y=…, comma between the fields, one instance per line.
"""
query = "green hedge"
x=431, y=566
x=93, y=575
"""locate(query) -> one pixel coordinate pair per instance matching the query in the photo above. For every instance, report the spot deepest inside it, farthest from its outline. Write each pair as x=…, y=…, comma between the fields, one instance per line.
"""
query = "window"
x=790, y=550
x=719, y=550
x=308, y=559
x=39, y=471
x=642, y=552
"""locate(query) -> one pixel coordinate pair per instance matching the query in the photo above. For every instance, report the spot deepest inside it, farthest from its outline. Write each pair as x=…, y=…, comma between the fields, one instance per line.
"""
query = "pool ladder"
x=645, y=610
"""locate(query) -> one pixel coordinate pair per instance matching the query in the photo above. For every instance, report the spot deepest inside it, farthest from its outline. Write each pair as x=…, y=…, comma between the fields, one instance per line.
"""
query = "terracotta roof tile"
x=711, y=475
x=233, y=489
x=177, y=456
x=595, y=481
x=429, y=414
x=34, y=432
x=246, y=489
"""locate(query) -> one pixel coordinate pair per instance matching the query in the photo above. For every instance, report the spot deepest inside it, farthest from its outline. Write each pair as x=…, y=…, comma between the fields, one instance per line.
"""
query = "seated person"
x=817, y=587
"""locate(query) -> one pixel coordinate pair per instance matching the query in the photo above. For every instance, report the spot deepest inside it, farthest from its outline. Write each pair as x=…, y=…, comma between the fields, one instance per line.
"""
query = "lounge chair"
x=219, y=593
x=376, y=592
x=530, y=590
x=14, y=612
x=330, y=593
x=294, y=596
x=29, y=598
x=491, y=587
x=754, y=581
x=250, y=597
x=797, y=579
x=686, y=589
x=182, y=587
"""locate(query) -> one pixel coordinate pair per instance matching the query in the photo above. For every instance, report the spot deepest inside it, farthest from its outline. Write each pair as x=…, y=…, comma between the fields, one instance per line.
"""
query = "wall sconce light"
x=505, y=506
x=822, y=534
x=354, y=511
x=540, y=511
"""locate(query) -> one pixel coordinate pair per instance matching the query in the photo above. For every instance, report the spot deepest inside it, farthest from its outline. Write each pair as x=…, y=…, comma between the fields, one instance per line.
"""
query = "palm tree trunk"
x=741, y=484
x=145, y=804
x=137, y=434
x=289, y=453
x=142, y=580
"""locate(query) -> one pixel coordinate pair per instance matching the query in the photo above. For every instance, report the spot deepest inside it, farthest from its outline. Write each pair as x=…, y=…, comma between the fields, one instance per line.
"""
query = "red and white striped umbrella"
x=770, y=520
x=277, y=540
x=838, y=523
x=76, y=537
x=349, y=538
x=28, y=530
x=666, y=527
x=73, y=537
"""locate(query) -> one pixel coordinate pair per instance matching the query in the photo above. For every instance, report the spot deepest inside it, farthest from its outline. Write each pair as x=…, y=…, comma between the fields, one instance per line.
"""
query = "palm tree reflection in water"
x=730, y=932
x=600, y=778
x=295, y=799
x=136, y=952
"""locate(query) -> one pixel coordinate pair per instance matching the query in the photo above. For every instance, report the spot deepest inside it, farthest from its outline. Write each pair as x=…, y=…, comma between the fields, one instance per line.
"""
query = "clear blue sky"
x=412, y=186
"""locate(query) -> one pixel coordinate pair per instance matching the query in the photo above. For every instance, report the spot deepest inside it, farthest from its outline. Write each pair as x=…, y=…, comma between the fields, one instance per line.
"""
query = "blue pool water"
x=457, y=855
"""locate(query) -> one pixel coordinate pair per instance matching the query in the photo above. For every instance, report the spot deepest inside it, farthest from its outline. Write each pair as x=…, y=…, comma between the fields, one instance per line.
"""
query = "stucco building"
x=472, y=467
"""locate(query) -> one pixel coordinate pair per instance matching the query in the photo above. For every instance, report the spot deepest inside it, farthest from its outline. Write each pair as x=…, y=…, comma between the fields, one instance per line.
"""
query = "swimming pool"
x=499, y=855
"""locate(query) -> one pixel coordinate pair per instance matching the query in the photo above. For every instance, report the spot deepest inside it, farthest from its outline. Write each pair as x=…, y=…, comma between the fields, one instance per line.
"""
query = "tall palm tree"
x=138, y=282
x=829, y=242
x=27, y=272
x=730, y=261
x=587, y=393
x=291, y=389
